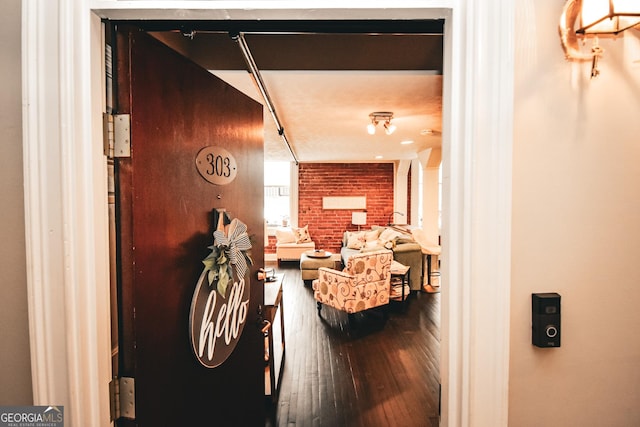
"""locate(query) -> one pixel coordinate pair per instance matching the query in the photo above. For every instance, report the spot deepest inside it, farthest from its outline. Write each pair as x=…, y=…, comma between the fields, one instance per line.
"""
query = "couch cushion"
x=374, y=245
x=407, y=247
x=389, y=234
x=306, y=245
x=361, y=239
x=285, y=235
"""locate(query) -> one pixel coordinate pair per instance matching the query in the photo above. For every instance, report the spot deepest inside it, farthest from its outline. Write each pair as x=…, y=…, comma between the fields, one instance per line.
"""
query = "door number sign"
x=216, y=165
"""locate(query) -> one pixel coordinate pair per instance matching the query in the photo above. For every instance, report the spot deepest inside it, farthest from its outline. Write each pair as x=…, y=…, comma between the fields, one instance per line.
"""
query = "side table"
x=274, y=335
x=402, y=273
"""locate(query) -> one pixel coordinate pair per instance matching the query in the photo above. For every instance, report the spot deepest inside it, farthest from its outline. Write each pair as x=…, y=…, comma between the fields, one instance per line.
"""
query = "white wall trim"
x=400, y=192
x=414, y=208
x=294, y=191
x=65, y=210
x=65, y=192
x=46, y=378
x=478, y=93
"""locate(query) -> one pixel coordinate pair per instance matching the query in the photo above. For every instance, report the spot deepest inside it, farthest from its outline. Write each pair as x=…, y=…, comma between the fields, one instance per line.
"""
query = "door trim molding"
x=477, y=158
x=65, y=210
x=66, y=192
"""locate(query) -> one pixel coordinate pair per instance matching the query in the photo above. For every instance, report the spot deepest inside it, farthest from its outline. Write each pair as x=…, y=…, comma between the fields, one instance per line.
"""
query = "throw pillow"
x=371, y=236
x=355, y=240
x=302, y=234
x=389, y=234
x=285, y=235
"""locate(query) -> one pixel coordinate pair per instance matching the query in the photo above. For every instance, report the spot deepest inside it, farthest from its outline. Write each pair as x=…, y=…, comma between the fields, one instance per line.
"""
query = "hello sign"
x=221, y=298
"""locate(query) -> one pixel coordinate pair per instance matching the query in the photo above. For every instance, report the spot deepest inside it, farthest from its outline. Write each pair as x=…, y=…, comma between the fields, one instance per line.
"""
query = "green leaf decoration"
x=208, y=262
x=223, y=281
x=222, y=258
x=217, y=264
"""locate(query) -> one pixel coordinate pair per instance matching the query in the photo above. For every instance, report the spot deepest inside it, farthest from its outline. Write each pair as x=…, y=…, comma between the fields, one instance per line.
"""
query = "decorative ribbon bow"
x=237, y=242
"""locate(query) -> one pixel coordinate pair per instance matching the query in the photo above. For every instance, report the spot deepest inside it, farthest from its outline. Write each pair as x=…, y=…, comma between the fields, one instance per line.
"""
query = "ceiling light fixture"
x=384, y=117
x=594, y=18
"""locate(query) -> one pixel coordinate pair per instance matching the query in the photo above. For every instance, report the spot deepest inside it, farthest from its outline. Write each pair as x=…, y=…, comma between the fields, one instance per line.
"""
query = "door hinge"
x=122, y=392
x=116, y=135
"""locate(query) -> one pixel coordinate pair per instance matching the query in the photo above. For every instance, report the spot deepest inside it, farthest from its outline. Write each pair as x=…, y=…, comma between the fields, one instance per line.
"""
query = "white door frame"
x=66, y=191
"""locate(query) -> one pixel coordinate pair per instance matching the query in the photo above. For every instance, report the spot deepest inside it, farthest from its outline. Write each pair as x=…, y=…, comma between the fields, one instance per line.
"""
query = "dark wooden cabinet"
x=274, y=336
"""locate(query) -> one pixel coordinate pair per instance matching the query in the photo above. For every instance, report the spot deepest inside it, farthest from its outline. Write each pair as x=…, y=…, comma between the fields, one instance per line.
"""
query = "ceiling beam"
x=367, y=26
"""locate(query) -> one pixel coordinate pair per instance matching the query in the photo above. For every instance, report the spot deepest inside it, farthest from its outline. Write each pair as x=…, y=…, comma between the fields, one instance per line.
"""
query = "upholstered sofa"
x=405, y=249
x=291, y=243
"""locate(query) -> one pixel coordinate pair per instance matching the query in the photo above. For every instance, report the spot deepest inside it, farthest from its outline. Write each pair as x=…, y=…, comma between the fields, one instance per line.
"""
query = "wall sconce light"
x=358, y=218
x=594, y=18
x=392, y=217
x=384, y=117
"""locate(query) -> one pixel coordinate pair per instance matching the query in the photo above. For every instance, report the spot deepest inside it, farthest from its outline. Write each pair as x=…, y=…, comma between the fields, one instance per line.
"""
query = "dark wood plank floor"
x=368, y=372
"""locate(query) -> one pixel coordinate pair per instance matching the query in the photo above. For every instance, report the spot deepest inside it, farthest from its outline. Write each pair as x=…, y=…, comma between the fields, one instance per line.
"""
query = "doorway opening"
x=477, y=168
x=178, y=39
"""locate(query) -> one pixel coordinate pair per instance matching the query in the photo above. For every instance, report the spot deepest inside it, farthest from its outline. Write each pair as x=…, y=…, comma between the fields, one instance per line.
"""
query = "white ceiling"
x=323, y=85
x=325, y=113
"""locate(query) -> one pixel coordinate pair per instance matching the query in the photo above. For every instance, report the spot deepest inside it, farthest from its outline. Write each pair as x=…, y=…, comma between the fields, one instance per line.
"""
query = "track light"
x=384, y=117
x=389, y=128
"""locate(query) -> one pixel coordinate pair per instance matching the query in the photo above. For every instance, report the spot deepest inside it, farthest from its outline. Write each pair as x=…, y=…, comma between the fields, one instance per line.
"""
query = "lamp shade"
x=608, y=16
x=358, y=218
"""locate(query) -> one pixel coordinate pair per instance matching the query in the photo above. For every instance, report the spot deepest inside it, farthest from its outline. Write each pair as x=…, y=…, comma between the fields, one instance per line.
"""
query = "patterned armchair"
x=363, y=284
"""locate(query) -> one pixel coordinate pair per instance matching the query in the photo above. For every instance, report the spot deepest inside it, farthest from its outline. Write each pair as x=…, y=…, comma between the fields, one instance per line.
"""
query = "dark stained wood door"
x=165, y=221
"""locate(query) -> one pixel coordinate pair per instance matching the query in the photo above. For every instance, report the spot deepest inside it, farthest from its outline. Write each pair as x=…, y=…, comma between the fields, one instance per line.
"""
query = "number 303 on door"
x=216, y=165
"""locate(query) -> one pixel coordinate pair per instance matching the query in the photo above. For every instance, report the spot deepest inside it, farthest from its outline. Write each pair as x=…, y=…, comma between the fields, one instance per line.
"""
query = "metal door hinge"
x=123, y=398
x=116, y=134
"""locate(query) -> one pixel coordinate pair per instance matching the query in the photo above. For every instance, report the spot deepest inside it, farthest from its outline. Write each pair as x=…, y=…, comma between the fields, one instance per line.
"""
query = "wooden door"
x=165, y=220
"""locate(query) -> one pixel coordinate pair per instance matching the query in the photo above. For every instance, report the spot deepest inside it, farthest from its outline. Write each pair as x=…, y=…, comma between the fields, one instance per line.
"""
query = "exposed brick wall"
x=271, y=248
x=317, y=180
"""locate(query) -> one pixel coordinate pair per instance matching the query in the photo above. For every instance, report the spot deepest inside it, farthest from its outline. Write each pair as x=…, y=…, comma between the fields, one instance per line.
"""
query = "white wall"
x=15, y=362
x=576, y=228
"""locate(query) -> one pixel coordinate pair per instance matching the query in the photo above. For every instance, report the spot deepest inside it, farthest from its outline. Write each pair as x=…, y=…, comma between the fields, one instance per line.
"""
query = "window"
x=277, y=203
x=421, y=196
x=440, y=197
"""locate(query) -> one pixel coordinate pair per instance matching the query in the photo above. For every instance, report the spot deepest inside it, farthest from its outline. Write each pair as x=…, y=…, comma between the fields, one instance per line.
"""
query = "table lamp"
x=358, y=218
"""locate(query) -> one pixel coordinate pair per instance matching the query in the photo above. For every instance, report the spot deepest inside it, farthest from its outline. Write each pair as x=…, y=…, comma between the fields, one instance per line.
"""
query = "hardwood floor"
x=368, y=372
